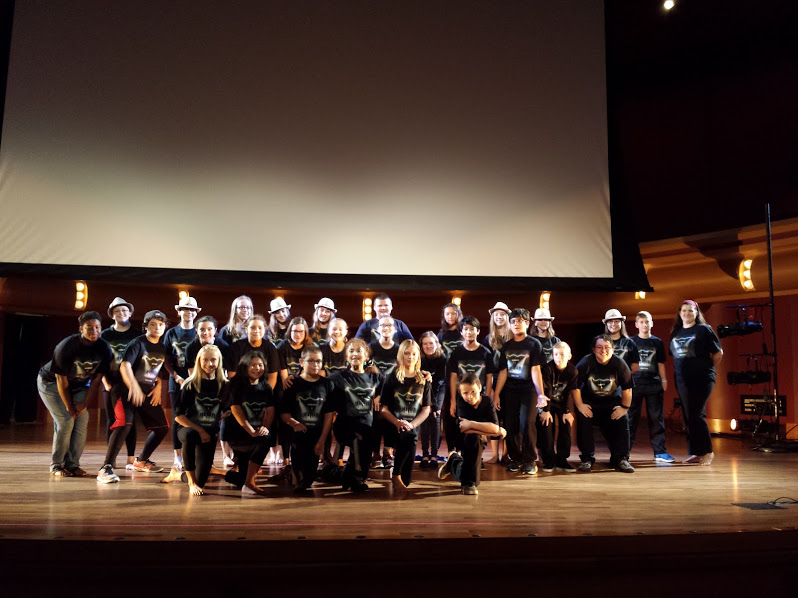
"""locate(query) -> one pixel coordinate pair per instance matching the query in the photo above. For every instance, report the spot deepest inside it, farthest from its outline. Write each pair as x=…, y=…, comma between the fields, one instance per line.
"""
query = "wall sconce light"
x=545, y=298
x=367, y=309
x=182, y=294
x=668, y=4
x=81, y=294
x=744, y=274
x=640, y=294
x=456, y=300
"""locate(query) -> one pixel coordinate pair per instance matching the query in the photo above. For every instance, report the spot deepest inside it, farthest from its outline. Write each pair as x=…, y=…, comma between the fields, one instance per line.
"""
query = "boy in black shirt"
x=301, y=408
x=605, y=385
x=476, y=417
x=383, y=357
x=519, y=392
x=560, y=386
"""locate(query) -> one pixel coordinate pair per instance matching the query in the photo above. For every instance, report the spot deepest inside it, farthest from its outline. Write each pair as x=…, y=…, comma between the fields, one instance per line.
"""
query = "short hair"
x=252, y=318
x=204, y=319
x=309, y=350
x=383, y=297
x=469, y=321
x=564, y=345
x=469, y=379
x=393, y=322
x=643, y=314
x=519, y=312
x=88, y=315
x=602, y=337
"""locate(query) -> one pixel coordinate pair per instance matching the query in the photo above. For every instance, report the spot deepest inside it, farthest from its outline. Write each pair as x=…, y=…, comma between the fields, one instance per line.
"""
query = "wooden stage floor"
x=661, y=516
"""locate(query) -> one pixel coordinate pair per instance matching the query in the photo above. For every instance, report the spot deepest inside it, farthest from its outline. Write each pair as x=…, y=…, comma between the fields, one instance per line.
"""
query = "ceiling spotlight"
x=456, y=300
x=668, y=4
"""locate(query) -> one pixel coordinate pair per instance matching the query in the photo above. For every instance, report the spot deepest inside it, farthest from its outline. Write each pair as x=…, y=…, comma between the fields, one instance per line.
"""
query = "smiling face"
x=121, y=315
x=282, y=315
x=209, y=361
x=603, y=351
x=387, y=328
x=206, y=332
x=410, y=359
x=428, y=346
x=323, y=314
x=255, y=331
x=470, y=393
x=500, y=317
x=255, y=369
x=356, y=356
x=298, y=334
x=688, y=313
x=383, y=307
x=542, y=325
x=243, y=309
x=187, y=316
x=90, y=330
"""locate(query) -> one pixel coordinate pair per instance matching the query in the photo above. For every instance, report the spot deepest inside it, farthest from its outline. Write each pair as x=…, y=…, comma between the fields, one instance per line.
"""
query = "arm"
x=238, y=413
x=136, y=395
x=296, y=426
x=499, y=386
x=626, y=401
x=717, y=357
x=66, y=395
x=187, y=423
x=537, y=380
x=634, y=367
x=583, y=408
x=661, y=368
x=568, y=416
x=452, y=393
x=489, y=385
x=328, y=421
x=468, y=426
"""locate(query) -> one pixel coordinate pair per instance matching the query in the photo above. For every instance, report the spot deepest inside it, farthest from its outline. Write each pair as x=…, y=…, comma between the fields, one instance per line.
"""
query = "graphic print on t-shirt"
x=152, y=365
x=293, y=366
x=205, y=411
x=557, y=391
x=450, y=345
x=358, y=401
x=620, y=352
x=602, y=387
x=385, y=367
x=472, y=367
x=407, y=404
x=179, y=349
x=254, y=413
x=309, y=408
x=646, y=360
x=516, y=365
x=118, y=350
x=683, y=346
x=82, y=370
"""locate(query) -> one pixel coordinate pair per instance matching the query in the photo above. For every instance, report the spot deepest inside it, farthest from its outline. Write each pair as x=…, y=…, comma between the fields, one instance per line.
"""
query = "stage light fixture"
x=744, y=274
x=456, y=300
x=640, y=294
x=668, y=4
x=545, y=299
x=739, y=329
x=367, y=309
x=733, y=425
x=81, y=294
x=182, y=294
x=749, y=377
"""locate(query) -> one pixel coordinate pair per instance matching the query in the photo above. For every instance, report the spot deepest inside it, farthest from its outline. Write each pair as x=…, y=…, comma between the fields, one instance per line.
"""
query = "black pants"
x=615, y=432
x=655, y=403
x=466, y=469
x=695, y=395
x=176, y=444
x=152, y=416
x=546, y=440
x=130, y=438
x=431, y=435
x=197, y=455
x=520, y=412
x=359, y=437
x=304, y=460
x=247, y=449
x=405, y=444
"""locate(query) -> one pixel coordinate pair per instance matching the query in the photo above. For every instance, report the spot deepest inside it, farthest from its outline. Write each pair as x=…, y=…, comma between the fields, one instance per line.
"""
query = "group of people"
x=278, y=390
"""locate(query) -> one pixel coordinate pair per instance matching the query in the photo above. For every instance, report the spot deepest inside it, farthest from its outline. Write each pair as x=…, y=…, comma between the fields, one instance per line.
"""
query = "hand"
x=545, y=418
x=299, y=427
x=204, y=436
x=568, y=418
x=618, y=412
x=453, y=409
x=403, y=425
x=179, y=381
x=318, y=448
x=260, y=431
x=664, y=386
x=585, y=410
x=155, y=397
x=80, y=408
x=497, y=402
x=288, y=382
x=377, y=404
x=542, y=401
x=426, y=375
x=73, y=411
x=136, y=396
x=464, y=424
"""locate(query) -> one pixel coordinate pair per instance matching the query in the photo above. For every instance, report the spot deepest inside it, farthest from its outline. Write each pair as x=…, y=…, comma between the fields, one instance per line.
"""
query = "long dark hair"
x=678, y=325
x=445, y=324
x=241, y=380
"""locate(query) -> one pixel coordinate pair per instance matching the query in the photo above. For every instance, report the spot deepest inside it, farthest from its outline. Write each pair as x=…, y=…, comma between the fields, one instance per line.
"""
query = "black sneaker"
x=469, y=489
x=445, y=470
x=529, y=468
x=548, y=468
x=624, y=466
x=585, y=466
x=513, y=467
x=566, y=467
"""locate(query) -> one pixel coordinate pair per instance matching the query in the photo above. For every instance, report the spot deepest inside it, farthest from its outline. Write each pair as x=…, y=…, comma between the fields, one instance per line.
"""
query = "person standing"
x=63, y=384
x=235, y=329
x=433, y=361
x=279, y=316
x=622, y=345
x=543, y=330
x=696, y=352
x=369, y=330
x=449, y=334
x=650, y=385
x=324, y=312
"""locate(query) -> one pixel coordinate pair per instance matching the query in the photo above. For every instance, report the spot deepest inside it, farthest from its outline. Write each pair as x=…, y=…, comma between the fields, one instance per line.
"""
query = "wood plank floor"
x=659, y=510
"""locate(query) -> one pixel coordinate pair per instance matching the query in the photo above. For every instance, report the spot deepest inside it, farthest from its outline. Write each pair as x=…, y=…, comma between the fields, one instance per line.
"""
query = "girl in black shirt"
x=333, y=351
x=449, y=334
x=240, y=311
x=433, y=361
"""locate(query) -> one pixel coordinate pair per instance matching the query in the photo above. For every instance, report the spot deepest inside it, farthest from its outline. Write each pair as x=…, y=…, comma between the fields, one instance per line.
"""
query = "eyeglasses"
x=602, y=349
x=314, y=361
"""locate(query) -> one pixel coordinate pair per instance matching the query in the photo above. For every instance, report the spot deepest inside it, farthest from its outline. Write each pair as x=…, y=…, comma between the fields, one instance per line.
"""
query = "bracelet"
x=663, y=379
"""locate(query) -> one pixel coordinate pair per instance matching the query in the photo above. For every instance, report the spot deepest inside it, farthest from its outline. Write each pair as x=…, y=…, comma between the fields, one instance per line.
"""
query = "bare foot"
x=399, y=488
x=217, y=471
x=173, y=476
x=493, y=460
x=706, y=459
x=195, y=490
x=692, y=459
x=252, y=490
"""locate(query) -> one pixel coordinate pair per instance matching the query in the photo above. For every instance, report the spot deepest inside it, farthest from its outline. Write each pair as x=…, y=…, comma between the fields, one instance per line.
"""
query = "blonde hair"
x=235, y=324
x=408, y=345
x=195, y=378
x=499, y=336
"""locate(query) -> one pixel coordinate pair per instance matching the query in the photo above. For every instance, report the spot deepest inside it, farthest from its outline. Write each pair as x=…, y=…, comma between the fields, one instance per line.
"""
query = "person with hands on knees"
x=198, y=411
x=476, y=418
x=142, y=371
x=63, y=385
x=560, y=386
x=301, y=409
x=605, y=385
x=405, y=405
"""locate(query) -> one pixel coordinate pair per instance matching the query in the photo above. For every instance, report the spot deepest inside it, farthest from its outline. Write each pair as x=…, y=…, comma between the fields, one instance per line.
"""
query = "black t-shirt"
x=118, y=342
x=304, y=400
x=176, y=341
x=603, y=384
x=436, y=366
x=558, y=384
x=254, y=399
x=289, y=357
x=405, y=399
x=383, y=359
x=479, y=362
x=194, y=346
x=333, y=362
x=484, y=411
x=79, y=361
x=547, y=344
x=353, y=395
x=203, y=407
x=241, y=348
x=146, y=359
x=227, y=336
x=370, y=332
x=518, y=358
x=651, y=352
x=626, y=349
x=692, y=349
x=449, y=341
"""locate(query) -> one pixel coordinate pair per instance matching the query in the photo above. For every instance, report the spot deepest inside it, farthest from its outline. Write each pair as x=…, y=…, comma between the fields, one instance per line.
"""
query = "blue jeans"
x=69, y=433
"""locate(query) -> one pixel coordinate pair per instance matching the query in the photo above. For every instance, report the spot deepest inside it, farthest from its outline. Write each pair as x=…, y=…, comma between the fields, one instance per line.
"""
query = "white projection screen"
x=409, y=138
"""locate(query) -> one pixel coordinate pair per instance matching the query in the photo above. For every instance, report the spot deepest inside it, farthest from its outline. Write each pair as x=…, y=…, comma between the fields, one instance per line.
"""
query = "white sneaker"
x=129, y=467
x=106, y=475
x=228, y=462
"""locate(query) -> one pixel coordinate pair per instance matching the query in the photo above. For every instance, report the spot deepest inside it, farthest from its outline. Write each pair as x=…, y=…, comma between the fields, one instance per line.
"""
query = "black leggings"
x=695, y=395
x=124, y=412
x=405, y=443
x=176, y=444
x=130, y=439
x=304, y=460
x=346, y=433
x=250, y=449
x=197, y=455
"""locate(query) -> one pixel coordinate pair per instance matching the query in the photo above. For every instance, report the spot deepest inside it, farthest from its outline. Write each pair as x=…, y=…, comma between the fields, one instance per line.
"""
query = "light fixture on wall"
x=545, y=299
x=744, y=274
x=668, y=4
x=640, y=294
x=457, y=300
x=367, y=309
x=81, y=294
x=183, y=294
